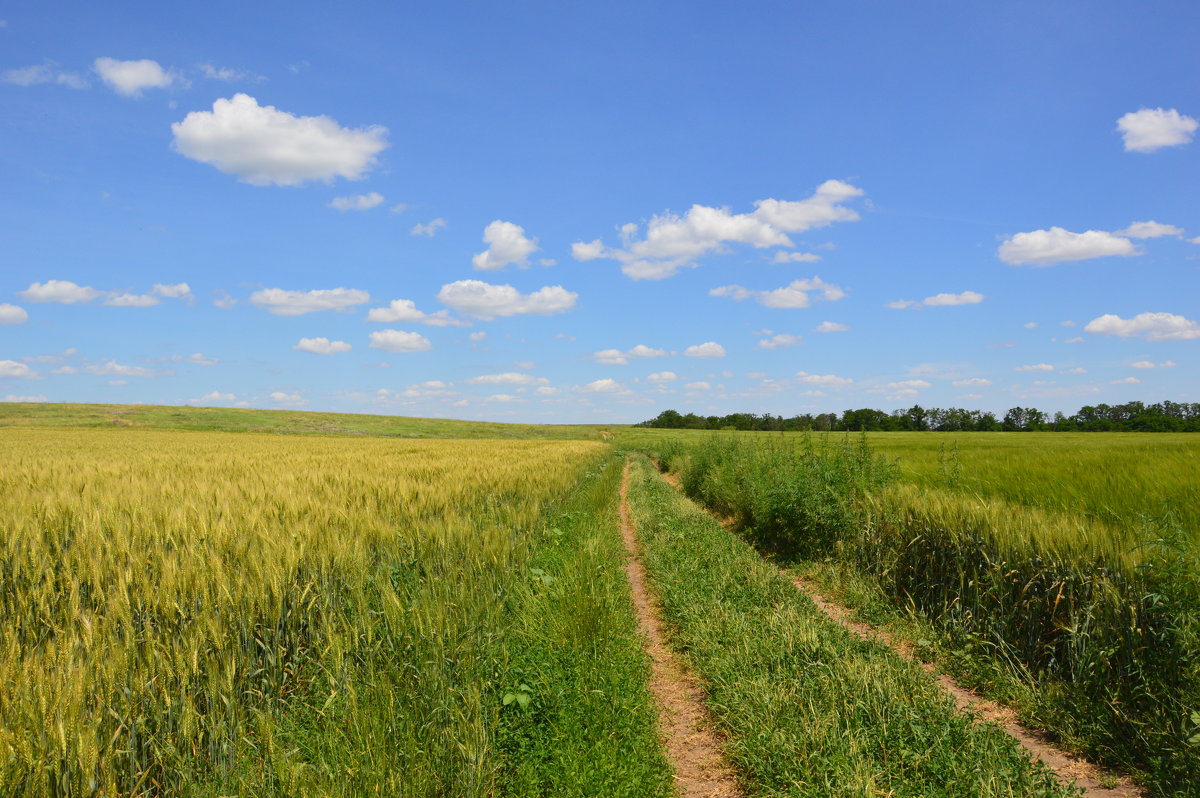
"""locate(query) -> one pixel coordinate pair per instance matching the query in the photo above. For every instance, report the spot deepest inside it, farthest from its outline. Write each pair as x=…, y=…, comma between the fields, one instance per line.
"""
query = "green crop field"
x=215, y=602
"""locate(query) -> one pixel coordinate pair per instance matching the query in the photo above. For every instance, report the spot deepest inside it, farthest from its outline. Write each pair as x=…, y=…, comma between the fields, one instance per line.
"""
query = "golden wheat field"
x=183, y=609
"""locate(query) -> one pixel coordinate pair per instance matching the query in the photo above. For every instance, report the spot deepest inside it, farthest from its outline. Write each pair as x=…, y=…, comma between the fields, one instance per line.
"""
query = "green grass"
x=291, y=422
x=809, y=709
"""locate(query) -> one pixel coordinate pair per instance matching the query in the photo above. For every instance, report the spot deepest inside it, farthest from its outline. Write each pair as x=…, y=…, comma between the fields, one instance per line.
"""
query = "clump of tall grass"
x=1105, y=620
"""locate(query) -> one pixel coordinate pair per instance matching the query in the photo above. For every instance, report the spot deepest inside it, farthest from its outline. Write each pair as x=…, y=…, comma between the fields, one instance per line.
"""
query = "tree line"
x=1127, y=417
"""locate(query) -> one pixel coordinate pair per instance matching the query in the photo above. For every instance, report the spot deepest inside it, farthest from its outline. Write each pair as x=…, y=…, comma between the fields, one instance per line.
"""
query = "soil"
x=692, y=745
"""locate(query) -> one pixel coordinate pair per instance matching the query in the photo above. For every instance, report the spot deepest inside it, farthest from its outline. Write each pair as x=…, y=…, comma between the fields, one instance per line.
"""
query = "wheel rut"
x=691, y=743
x=1071, y=768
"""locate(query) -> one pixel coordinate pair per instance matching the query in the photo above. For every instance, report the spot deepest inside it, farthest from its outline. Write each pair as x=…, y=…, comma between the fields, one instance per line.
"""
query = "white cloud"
x=1149, y=326
x=547, y=391
x=1068, y=323
x=130, y=77
x=780, y=340
x=1125, y=381
x=973, y=382
x=195, y=358
x=673, y=242
x=478, y=336
x=13, y=314
x=28, y=399
x=797, y=294
x=829, y=327
x=1076, y=370
x=399, y=341
x=228, y=74
x=508, y=378
x=698, y=386
x=795, y=257
x=1035, y=367
x=1078, y=339
x=504, y=398
x=823, y=380
x=11, y=369
x=1044, y=247
x=294, y=303
x=224, y=301
x=63, y=291
x=322, y=346
x=942, y=300
x=357, y=202
x=288, y=399
x=615, y=357
x=43, y=73
x=406, y=310
x=1147, y=364
x=428, y=229
x=262, y=145
x=130, y=300
x=1030, y=325
x=486, y=301
x=603, y=386
x=506, y=244
x=111, y=368
x=706, y=349
x=1149, y=129
x=663, y=376
x=216, y=396
x=1150, y=229
x=176, y=291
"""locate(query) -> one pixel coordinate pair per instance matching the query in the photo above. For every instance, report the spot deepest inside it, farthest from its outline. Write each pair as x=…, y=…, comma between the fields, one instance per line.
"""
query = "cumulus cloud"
x=478, y=336
x=294, y=303
x=1126, y=381
x=973, y=382
x=796, y=294
x=795, y=257
x=262, y=145
x=428, y=229
x=663, y=376
x=1076, y=370
x=504, y=398
x=322, y=346
x=698, y=386
x=673, y=241
x=506, y=244
x=939, y=300
x=27, y=399
x=62, y=291
x=823, y=380
x=357, y=202
x=508, y=378
x=547, y=391
x=1148, y=326
x=1149, y=364
x=228, y=74
x=1150, y=229
x=130, y=77
x=615, y=357
x=406, y=310
x=176, y=291
x=829, y=327
x=11, y=369
x=224, y=301
x=486, y=301
x=1035, y=367
x=706, y=349
x=399, y=341
x=117, y=300
x=603, y=386
x=111, y=368
x=1046, y=247
x=780, y=340
x=196, y=359
x=215, y=396
x=43, y=73
x=13, y=314
x=288, y=399
x=1152, y=129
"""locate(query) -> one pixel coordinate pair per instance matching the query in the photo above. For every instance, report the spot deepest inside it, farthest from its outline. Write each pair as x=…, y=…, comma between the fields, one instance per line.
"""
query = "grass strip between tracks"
x=809, y=709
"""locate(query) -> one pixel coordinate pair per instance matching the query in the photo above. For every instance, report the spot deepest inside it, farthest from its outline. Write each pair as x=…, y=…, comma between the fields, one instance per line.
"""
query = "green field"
x=215, y=602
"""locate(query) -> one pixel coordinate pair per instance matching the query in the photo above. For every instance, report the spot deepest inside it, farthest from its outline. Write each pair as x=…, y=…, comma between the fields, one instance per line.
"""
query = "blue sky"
x=544, y=212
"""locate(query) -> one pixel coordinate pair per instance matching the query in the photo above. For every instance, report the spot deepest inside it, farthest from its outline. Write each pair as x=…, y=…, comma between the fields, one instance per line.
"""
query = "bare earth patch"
x=692, y=745
x=1070, y=768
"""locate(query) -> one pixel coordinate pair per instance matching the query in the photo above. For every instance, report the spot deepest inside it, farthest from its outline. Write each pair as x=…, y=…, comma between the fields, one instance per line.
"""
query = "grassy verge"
x=809, y=709
x=1102, y=636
